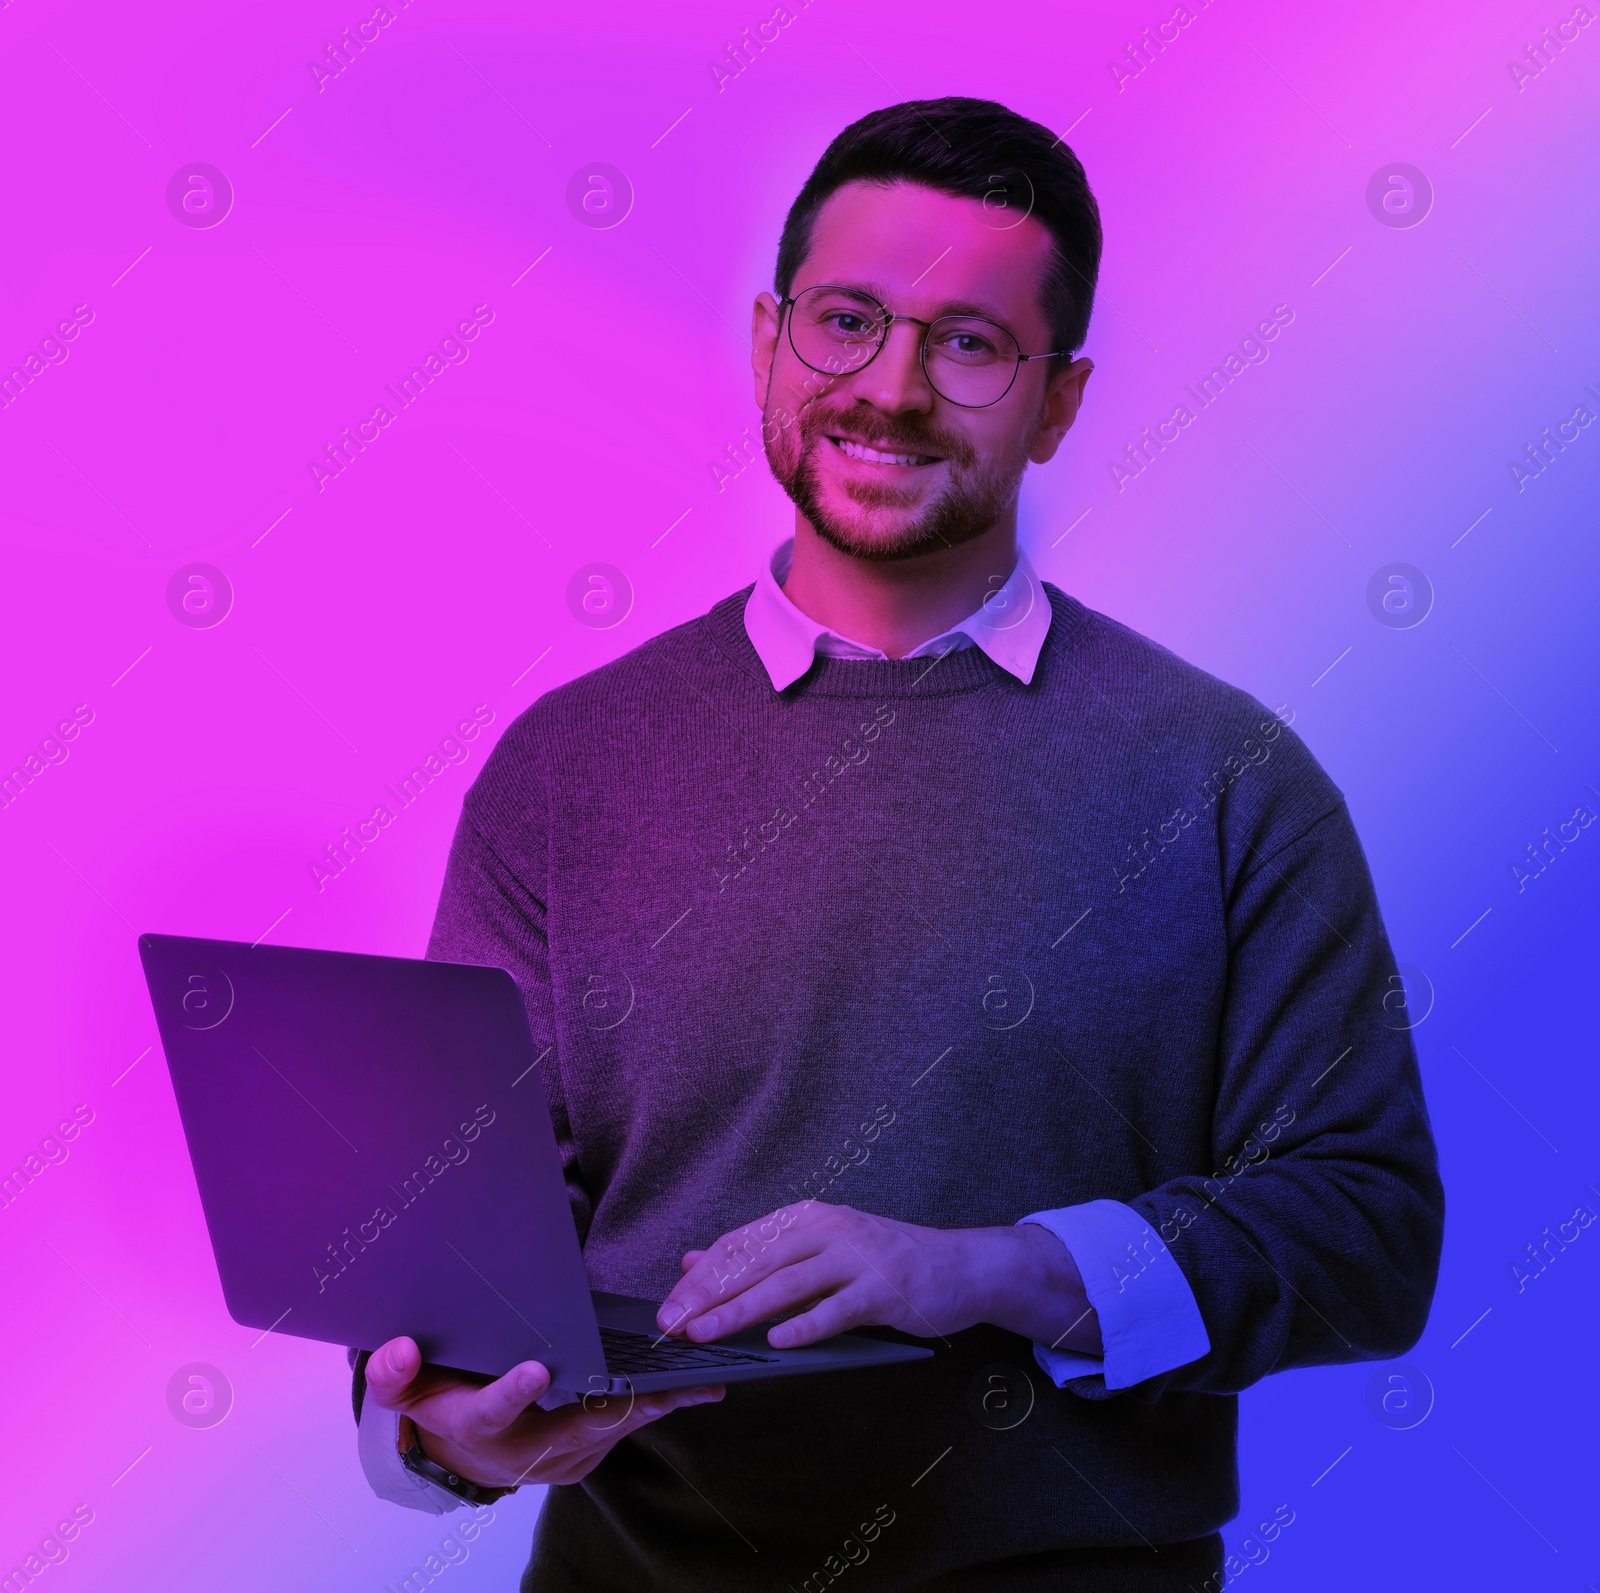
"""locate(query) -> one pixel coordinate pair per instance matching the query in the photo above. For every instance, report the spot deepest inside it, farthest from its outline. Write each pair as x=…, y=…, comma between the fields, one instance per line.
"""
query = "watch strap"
x=416, y=1462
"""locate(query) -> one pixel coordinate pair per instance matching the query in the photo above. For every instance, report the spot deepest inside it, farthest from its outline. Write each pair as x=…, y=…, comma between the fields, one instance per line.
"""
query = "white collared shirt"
x=1010, y=625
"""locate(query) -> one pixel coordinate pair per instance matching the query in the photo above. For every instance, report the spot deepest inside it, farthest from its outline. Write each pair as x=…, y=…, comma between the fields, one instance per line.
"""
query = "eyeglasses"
x=969, y=360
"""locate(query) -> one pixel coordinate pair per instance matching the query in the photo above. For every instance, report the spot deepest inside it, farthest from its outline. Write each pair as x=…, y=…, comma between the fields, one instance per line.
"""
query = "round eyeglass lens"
x=969, y=360
x=835, y=331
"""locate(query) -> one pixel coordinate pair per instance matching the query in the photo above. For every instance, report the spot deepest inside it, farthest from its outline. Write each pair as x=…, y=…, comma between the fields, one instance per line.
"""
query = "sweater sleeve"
x=490, y=913
x=1317, y=1238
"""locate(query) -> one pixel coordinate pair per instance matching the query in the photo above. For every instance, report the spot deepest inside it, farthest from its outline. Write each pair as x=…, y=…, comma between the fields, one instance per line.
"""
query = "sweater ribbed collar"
x=958, y=669
x=1010, y=626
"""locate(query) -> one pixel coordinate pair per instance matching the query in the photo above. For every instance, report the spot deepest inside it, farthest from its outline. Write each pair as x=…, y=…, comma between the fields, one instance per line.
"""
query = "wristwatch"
x=413, y=1459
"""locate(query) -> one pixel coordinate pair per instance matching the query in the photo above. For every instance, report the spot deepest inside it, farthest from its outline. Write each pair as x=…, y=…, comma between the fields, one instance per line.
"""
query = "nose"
x=895, y=381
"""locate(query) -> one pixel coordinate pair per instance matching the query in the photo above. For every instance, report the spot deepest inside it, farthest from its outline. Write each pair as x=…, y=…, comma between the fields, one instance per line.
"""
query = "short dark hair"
x=973, y=149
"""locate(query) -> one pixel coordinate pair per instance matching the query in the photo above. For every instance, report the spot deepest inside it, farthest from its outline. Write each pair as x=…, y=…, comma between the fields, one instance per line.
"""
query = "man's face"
x=879, y=463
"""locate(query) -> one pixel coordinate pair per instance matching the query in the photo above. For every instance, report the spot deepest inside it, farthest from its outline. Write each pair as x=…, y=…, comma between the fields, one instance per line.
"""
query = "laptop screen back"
x=373, y=1150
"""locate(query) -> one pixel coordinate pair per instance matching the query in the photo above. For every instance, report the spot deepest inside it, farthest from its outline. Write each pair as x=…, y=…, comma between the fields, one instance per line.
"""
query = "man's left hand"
x=837, y=1268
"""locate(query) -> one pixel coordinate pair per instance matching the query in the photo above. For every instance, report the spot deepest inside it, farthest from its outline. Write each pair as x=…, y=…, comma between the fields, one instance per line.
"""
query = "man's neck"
x=897, y=605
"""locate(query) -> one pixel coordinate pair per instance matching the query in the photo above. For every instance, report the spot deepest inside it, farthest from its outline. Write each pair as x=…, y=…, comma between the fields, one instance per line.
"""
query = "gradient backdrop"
x=231, y=321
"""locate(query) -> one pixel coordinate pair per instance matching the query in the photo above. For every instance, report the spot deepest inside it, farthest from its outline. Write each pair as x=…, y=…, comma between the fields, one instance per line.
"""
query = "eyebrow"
x=876, y=291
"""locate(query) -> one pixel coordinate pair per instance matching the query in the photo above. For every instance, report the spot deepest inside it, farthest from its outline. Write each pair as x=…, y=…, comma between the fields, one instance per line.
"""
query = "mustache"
x=878, y=430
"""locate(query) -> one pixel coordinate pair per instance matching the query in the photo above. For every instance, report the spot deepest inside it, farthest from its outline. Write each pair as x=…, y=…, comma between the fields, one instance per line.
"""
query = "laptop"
x=374, y=1154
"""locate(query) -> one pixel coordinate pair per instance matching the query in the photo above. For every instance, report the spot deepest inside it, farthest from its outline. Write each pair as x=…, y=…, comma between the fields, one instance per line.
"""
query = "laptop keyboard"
x=635, y=1354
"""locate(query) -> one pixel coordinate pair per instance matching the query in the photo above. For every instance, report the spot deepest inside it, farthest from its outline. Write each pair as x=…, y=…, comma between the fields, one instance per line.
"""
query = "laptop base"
x=632, y=1342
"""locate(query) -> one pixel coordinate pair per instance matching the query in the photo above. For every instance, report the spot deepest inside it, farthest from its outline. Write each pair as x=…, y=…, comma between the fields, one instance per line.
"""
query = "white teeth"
x=876, y=456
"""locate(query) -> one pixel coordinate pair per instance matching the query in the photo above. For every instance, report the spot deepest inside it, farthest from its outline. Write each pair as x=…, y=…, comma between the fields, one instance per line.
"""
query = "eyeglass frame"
x=889, y=318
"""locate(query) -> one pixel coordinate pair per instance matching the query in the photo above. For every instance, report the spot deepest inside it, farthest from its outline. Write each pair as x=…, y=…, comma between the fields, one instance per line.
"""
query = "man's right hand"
x=493, y=1434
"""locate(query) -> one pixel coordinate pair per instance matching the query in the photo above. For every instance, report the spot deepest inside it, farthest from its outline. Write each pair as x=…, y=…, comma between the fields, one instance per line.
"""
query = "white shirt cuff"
x=377, y=1441
x=1149, y=1321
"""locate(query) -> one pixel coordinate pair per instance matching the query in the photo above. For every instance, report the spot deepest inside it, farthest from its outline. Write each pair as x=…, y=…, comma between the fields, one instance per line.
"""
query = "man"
x=997, y=979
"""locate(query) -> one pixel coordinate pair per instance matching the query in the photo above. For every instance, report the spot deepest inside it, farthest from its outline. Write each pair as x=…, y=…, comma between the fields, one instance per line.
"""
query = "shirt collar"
x=1010, y=626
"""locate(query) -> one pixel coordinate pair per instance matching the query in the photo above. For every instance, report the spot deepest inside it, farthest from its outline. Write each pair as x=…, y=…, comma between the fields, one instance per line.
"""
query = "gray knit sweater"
x=916, y=938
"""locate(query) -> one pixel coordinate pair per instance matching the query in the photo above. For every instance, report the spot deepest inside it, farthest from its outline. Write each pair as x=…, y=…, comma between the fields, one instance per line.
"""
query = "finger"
x=736, y=1261
x=689, y=1258
x=649, y=1408
x=851, y=1307
x=599, y=1423
x=391, y=1371
x=574, y=1464
x=490, y=1410
x=784, y=1289
x=652, y=1407
x=730, y=1286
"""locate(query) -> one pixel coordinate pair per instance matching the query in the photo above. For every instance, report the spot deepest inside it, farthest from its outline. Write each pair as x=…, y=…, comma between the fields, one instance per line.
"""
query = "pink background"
x=372, y=214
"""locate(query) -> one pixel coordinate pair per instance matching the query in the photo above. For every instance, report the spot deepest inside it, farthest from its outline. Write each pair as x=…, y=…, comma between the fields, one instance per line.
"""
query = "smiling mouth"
x=879, y=456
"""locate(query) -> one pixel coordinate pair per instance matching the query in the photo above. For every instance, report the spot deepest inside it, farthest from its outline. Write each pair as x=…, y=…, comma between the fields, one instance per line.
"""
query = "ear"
x=764, y=320
x=1061, y=400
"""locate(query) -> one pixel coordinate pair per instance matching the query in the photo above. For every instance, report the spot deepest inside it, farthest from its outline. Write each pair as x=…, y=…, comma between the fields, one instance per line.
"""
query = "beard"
x=865, y=525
